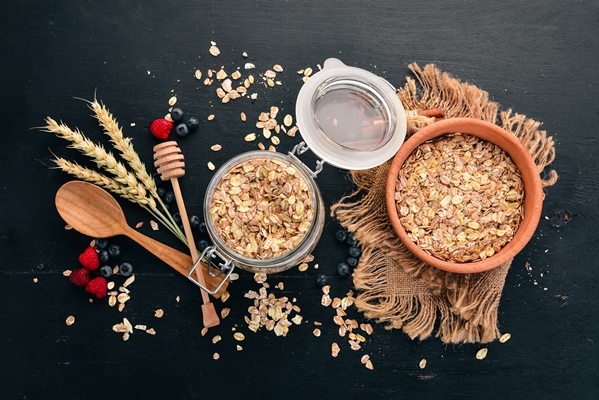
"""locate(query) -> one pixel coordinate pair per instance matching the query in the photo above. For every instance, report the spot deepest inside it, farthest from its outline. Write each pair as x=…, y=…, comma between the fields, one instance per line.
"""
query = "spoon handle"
x=179, y=261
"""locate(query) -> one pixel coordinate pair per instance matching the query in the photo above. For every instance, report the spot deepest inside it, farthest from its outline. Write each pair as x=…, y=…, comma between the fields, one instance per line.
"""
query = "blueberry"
x=321, y=279
x=343, y=269
x=354, y=251
x=161, y=191
x=106, y=271
x=126, y=269
x=177, y=218
x=114, y=250
x=202, y=244
x=202, y=228
x=350, y=240
x=341, y=235
x=194, y=221
x=177, y=114
x=352, y=262
x=182, y=130
x=169, y=197
x=103, y=256
x=101, y=243
x=193, y=123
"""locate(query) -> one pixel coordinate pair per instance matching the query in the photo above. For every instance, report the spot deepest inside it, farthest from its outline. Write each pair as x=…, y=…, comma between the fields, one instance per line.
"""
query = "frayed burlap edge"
x=395, y=288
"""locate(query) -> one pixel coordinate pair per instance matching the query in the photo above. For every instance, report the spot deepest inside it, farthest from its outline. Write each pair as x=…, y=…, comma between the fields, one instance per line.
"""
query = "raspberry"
x=89, y=259
x=80, y=277
x=97, y=287
x=161, y=128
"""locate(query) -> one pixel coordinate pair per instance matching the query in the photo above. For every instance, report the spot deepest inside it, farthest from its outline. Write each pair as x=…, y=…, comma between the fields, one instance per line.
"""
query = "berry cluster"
x=162, y=127
x=90, y=260
x=354, y=252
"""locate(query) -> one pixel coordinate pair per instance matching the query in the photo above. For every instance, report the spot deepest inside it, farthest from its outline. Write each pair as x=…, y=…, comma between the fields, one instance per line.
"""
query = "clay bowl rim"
x=533, y=190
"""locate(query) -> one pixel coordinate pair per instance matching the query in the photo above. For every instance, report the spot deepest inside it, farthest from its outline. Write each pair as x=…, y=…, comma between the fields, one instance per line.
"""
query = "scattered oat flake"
x=277, y=68
x=250, y=137
x=214, y=50
x=154, y=225
x=224, y=312
x=67, y=273
x=216, y=147
x=366, y=328
x=112, y=301
x=139, y=225
x=239, y=348
x=129, y=281
x=288, y=120
x=151, y=331
x=242, y=116
x=204, y=331
x=225, y=296
x=303, y=267
x=364, y=358
x=178, y=299
x=216, y=356
x=121, y=307
x=482, y=353
x=172, y=101
x=422, y=363
x=68, y=227
x=70, y=320
x=239, y=336
x=316, y=332
x=159, y=313
x=216, y=339
x=110, y=285
x=297, y=319
x=141, y=327
x=125, y=336
x=211, y=166
x=35, y=280
x=335, y=349
x=369, y=365
x=198, y=74
x=249, y=66
x=505, y=337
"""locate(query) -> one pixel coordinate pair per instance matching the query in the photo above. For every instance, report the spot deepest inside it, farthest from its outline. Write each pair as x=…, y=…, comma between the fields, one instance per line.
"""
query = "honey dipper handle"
x=209, y=315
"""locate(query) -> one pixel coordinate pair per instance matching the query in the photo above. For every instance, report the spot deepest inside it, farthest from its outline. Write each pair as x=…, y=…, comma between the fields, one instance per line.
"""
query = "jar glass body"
x=288, y=259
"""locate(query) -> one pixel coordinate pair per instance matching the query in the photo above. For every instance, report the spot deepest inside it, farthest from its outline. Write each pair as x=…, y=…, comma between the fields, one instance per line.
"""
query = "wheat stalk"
x=102, y=158
x=124, y=145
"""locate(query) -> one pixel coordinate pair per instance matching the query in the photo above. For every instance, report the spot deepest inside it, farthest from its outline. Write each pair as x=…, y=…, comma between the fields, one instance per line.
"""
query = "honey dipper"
x=168, y=160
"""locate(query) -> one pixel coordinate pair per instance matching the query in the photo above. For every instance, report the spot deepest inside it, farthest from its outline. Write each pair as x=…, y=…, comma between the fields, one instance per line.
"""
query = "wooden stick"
x=169, y=160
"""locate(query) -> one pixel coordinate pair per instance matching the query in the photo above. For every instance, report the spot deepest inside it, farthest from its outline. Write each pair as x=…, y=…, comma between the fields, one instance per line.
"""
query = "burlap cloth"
x=395, y=288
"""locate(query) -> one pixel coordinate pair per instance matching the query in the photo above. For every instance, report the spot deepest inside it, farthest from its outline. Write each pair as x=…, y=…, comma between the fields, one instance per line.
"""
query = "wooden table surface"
x=539, y=58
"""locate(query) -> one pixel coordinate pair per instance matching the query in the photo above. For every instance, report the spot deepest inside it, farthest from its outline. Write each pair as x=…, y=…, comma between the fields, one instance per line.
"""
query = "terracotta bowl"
x=533, y=191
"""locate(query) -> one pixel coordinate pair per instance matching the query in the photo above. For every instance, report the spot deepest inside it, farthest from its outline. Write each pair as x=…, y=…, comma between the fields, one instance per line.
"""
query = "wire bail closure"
x=228, y=267
x=300, y=149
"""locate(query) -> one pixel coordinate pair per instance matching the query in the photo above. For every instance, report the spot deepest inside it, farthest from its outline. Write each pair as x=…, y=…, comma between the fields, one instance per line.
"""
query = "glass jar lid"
x=349, y=117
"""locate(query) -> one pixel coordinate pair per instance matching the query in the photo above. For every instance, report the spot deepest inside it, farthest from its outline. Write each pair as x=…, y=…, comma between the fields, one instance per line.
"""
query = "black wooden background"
x=537, y=57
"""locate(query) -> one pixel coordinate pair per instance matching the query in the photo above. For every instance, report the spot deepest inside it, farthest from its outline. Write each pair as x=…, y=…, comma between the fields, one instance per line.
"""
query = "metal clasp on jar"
x=300, y=149
x=227, y=268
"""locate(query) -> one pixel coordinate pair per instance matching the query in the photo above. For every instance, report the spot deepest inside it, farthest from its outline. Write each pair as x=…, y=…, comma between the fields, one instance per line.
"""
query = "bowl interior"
x=533, y=191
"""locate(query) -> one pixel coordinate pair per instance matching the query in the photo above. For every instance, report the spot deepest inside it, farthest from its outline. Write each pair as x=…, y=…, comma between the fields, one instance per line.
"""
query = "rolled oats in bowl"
x=464, y=195
x=459, y=197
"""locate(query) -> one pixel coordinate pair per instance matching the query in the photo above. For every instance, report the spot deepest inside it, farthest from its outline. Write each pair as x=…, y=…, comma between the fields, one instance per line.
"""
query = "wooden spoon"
x=92, y=211
x=168, y=160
